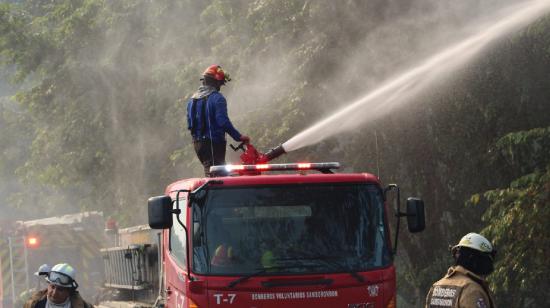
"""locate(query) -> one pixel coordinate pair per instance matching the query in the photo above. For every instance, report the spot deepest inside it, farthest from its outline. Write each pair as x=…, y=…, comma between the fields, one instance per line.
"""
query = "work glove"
x=245, y=139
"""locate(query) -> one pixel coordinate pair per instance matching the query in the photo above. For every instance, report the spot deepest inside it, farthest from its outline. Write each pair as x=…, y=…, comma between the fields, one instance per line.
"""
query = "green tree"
x=90, y=108
x=98, y=121
x=517, y=220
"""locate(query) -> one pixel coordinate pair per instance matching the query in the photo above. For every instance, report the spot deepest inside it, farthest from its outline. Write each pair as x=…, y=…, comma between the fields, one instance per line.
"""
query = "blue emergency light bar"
x=229, y=169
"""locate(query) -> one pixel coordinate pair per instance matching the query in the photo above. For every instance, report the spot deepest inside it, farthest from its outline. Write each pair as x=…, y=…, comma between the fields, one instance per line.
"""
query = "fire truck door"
x=176, y=265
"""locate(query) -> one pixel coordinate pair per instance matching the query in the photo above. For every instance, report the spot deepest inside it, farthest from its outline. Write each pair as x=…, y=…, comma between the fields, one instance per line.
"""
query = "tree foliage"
x=517, y=220
x=98, y=118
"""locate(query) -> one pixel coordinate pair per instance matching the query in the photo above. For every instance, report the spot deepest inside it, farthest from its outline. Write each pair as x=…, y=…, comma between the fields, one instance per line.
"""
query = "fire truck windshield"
x=288, y=229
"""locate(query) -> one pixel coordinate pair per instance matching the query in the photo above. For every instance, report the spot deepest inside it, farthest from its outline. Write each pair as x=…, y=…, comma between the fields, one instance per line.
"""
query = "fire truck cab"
x=303, y=239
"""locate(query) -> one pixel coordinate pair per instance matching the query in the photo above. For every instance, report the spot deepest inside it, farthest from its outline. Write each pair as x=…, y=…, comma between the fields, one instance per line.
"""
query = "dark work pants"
x=210, y=154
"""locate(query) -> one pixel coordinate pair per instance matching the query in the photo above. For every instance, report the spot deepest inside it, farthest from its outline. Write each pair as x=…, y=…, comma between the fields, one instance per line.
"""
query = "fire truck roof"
x=277, y=179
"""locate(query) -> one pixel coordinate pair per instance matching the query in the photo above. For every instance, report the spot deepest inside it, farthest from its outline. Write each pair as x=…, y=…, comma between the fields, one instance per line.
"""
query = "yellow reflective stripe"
x=5, y=268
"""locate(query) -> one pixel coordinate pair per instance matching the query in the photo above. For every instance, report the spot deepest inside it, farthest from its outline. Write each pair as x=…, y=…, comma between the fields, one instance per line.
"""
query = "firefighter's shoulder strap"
x=202, y=129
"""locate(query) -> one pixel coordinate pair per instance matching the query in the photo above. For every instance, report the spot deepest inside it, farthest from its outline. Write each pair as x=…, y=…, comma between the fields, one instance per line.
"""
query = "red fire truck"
x=303, y=237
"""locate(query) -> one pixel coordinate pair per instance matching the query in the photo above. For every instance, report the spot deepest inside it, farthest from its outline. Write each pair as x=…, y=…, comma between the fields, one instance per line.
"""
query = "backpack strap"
x=202, y=129
x=203, y=116
x=193, y=115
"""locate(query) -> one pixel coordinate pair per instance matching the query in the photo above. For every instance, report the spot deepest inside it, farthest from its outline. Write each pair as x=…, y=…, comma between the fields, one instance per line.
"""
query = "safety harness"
x=202, y=128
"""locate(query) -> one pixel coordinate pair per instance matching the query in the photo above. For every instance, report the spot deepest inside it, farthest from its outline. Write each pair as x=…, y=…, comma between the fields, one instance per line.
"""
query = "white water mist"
x=405, y=87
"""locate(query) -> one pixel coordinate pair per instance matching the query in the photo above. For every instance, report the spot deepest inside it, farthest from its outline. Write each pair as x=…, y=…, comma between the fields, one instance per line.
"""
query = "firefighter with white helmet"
x=464, y=285
x=61, y=291
x=43, y=270
x=40, y=275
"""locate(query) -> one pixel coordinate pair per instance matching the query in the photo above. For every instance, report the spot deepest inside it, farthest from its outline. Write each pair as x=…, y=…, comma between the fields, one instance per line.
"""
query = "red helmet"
x=215, y=71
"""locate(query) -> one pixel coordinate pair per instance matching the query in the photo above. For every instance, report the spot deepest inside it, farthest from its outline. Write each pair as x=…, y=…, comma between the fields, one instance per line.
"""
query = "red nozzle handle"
x=235, y=148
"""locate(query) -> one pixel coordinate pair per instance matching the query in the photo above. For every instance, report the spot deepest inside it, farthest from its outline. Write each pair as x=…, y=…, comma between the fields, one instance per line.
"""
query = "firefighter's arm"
x=474, y=296
x=223, y=120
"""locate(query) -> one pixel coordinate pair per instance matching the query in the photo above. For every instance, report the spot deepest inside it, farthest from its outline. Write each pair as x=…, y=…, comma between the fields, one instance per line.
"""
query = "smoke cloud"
x=134, y=78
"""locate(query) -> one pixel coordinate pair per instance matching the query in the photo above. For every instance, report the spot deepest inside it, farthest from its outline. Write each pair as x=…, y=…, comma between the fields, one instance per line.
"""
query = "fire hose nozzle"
x=275, y=152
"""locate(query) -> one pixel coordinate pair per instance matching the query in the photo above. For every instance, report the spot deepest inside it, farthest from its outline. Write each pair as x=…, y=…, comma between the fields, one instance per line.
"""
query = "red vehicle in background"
x=255, y=239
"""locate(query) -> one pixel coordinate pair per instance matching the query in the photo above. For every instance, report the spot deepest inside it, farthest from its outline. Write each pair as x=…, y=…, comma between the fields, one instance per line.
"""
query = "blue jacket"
x=217, y=122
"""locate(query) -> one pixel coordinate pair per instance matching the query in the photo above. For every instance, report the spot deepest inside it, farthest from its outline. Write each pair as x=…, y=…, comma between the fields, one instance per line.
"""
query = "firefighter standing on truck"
x=61, y=291
x=208, y=121
x=464, y=285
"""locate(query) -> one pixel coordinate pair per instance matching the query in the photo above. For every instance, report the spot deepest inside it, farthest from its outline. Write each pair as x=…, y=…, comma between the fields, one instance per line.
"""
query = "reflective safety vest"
x=460, y=288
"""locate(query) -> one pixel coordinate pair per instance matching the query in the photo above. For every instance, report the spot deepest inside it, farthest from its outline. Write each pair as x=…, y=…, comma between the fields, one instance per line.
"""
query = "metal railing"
x=132, y=268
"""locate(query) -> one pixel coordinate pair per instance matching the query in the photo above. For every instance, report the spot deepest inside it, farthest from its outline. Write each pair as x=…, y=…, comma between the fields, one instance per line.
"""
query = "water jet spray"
x=405, y=87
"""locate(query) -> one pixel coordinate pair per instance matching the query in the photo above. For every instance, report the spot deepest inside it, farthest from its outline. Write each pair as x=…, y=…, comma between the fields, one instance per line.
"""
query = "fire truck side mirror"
x=160, y=212
x=415, y=215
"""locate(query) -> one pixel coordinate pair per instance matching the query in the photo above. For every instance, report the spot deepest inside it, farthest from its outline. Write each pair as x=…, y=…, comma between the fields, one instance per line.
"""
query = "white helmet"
x=476, y=242
x=62, y=275
x=43, y=270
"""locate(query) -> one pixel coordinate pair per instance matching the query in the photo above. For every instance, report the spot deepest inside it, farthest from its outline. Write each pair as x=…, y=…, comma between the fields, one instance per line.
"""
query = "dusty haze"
x=389, y=38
